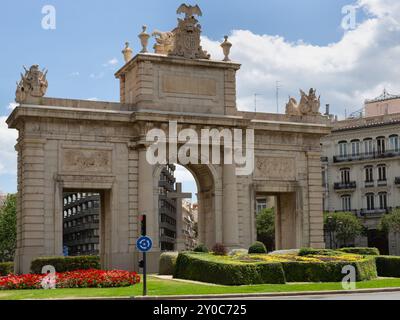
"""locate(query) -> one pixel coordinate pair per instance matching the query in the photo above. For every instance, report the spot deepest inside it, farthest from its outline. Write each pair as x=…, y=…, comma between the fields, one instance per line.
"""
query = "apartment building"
x=361, y=169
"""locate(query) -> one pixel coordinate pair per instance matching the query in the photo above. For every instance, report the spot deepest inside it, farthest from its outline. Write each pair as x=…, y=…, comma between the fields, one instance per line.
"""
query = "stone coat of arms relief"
x=184, y=41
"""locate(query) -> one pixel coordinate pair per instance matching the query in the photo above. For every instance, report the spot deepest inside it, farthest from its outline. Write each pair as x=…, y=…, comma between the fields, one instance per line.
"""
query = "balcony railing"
x=367, y=156
x=374, y=212
x=369, y=184
x=382, y=183
x=345, y=186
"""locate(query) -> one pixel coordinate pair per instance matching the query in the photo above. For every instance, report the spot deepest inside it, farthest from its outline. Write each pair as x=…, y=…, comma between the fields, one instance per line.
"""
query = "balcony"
x=367, y=156
x=345, y=186
x=397, y=181
x=324, y=159
x=374, y=212
x=382, y=183
x=369, y=184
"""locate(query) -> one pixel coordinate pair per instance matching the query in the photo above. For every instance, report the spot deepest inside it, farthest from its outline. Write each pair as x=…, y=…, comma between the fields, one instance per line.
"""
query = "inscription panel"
x=276, y=168
x=189, y=85
x=87, y=161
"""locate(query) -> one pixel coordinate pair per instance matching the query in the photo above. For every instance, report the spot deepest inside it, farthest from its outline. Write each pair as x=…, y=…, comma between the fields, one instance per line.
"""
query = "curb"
x=268, y=295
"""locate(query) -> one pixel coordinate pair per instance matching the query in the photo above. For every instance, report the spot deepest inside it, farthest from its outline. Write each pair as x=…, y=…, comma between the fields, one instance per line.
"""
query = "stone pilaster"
x=230, y=207
x=32, y=211
x=315, y=195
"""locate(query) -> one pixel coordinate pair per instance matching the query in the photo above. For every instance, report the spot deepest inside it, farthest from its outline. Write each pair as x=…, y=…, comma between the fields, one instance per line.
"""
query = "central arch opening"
x=186, y=207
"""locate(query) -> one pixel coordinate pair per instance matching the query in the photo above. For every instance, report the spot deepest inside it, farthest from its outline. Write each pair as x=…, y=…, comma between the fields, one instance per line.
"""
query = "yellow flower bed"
x=294, y=258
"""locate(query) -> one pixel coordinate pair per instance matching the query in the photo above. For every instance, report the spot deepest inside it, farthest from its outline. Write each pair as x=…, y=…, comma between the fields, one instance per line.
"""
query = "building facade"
x=3, y=198
x=361, y=172
x=81, y=224
x=189, y=225
x=167, y=209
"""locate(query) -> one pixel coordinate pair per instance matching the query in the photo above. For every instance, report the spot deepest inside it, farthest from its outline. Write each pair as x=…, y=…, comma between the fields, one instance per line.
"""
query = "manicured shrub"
x=64, y=264
x=167, y=263
x=6, y=268
x=258, y=248
x=319, y=252
x=212, y=269
x=328, y=271
x=219, y=250
x=201, y=248
x=74, y=279
x=388, y=266
x=362, y=251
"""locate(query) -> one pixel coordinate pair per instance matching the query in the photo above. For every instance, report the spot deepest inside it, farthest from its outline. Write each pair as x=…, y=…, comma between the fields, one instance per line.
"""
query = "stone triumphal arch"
x=66, y=145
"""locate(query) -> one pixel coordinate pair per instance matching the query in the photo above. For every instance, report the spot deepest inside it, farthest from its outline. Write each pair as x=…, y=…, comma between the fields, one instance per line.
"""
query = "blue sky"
x=84, y=50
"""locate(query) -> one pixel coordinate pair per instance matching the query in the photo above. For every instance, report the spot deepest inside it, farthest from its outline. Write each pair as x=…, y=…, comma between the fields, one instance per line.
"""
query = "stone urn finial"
x=127, y=52
x=226, y=47
x=144, y=39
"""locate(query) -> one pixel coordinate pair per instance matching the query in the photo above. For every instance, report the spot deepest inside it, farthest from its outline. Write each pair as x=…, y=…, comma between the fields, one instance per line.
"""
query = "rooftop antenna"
x=278, y=86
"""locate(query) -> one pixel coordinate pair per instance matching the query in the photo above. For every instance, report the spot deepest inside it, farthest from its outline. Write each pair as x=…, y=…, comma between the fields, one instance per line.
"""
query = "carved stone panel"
x=275, y=168
x=189, y=85
x=86, y=161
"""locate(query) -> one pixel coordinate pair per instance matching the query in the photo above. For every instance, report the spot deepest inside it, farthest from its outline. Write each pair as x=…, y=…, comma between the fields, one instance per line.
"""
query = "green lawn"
x=158, y=287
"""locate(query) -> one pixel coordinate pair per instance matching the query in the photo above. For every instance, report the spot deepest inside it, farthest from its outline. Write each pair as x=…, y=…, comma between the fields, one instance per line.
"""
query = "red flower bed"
x=74, y=279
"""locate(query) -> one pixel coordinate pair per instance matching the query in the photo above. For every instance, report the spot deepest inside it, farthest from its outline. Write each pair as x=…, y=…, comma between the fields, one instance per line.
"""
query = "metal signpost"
x=144, y=245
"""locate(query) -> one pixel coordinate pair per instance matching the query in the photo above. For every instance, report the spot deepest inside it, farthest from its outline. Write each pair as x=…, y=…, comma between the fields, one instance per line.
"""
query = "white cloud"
x=97, y=76
x=183, y=175
x=345, y=73
x=74, y=74
x=93, y=99
x=8, y=137
x=110, y=63
x=12, y=105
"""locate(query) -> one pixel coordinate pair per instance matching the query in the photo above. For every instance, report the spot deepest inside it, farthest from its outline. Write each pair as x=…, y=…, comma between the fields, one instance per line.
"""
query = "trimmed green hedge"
x=319, y=252
x=258, y=248
x=328, y=271
x=361, y=251
x=203, y=268
x=201, y=248
x=388, y=266
x=6, y=268
x=167, y=263
x=65, y=264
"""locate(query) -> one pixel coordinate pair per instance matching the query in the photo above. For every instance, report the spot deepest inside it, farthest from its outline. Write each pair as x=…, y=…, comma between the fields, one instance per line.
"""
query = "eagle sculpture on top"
x=189, y=11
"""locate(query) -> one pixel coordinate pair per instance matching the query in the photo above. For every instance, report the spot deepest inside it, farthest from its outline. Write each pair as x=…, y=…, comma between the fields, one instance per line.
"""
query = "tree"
x=266, y=228
x=345, y=226
x=8, y=228
x=391, y=222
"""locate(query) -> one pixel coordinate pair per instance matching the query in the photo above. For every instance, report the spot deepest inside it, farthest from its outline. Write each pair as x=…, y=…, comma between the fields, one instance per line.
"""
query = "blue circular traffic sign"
x=144, y=244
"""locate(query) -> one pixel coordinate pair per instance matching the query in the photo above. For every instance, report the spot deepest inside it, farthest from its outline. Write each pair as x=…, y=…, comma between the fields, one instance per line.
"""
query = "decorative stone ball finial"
x=226, y=47
x=127, y=52
x=144, y=39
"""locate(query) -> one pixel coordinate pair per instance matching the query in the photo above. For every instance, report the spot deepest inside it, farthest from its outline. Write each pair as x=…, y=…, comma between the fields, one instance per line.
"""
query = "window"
x=370, y=201
x=368, y=146
x=382, y=173
x=346, y=203
x=383, y=201
x=355, y=148
x=381, y=143
x=369, y=174
x=261, y=204
x=343, y=148
x=394, y=143
x=345, y=174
